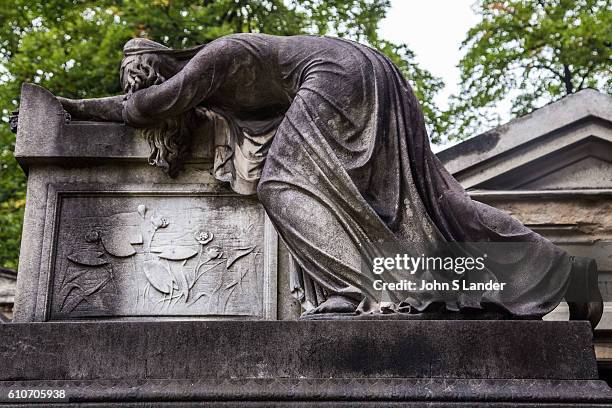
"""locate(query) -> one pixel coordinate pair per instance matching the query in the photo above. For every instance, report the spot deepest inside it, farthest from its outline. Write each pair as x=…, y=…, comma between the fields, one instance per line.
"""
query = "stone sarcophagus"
x=108, y=236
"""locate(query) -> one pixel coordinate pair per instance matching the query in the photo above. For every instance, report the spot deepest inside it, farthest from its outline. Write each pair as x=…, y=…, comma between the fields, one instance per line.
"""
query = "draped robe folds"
x=334, y=140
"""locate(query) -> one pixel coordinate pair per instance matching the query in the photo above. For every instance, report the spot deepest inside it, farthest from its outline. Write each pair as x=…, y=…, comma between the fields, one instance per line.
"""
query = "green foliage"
x=73, y=48
x=532, y=52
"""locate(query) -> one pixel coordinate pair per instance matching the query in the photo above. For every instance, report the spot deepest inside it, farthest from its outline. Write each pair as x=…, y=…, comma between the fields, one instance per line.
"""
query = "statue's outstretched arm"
x=150, y=106
x=199, y=79
x=100, y=109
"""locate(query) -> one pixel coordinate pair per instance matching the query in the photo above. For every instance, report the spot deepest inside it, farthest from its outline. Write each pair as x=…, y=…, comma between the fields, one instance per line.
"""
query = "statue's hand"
x=106, y=109
x=68, y=105
x=14, y=117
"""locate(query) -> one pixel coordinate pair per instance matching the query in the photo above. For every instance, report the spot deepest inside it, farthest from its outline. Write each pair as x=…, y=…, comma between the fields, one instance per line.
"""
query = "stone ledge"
x=44, y=137
x=305, y=363
x=299, y=350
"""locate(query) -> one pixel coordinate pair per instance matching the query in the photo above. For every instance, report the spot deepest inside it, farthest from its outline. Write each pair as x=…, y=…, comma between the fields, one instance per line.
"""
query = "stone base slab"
x=305, y=363
x=328, y=392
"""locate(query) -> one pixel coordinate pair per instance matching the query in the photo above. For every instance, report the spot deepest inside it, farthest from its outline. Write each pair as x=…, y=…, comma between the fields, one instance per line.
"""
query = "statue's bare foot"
x=335, y=304
x=584, y=288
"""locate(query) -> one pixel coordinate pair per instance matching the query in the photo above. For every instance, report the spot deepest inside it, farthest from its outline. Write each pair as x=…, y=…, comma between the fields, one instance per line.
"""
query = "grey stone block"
x=89, y=249
x=478, y=363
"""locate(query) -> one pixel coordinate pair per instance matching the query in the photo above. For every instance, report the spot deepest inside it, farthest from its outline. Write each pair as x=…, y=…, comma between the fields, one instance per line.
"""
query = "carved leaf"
x=240, y=252
x=136, y=239
x=158, y=276
x=118, y=246
x=178, y=253
x=142, y=209
x=88, y=257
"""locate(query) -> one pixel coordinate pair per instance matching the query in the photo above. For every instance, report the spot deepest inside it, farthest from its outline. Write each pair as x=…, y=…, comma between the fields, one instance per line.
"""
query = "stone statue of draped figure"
x=329, y=135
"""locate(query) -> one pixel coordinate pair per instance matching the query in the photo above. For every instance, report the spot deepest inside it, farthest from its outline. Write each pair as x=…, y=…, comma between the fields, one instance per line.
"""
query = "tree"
x=533, y=52
x=73, y=47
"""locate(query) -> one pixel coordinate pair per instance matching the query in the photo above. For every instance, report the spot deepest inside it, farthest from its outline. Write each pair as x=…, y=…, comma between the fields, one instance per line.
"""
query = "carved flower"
x=213, y=252
x=159, y=222
x=203, y=237
x=92, y=236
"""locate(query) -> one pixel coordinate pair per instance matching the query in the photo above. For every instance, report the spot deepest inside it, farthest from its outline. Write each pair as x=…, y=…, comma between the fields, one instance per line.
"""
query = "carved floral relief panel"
x=122, y=255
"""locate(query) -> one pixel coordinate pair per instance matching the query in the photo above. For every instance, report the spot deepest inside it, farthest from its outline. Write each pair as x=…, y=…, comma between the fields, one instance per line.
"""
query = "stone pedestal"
x=312, y=363
x=106, y=235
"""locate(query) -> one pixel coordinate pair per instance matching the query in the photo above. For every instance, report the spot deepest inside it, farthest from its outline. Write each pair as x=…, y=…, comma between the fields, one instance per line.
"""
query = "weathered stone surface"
x=115, y=257
x=76, y=143
x=316, y=349
x=323, y=361
x=94, y=244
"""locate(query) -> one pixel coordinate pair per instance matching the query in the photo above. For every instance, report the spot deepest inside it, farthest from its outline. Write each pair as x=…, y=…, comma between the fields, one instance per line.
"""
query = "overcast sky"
x=433, y=29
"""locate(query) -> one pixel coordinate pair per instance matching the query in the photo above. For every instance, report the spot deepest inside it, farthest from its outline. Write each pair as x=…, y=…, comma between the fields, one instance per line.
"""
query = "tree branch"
x=550, y=69
x=585, y=76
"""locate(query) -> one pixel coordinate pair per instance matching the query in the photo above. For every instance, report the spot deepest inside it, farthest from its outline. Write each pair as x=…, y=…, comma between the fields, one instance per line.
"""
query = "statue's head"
x=141, y=71
x=146, y=63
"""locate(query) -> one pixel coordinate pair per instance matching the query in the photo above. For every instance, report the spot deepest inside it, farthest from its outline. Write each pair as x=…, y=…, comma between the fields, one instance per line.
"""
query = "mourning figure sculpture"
x=331, y=138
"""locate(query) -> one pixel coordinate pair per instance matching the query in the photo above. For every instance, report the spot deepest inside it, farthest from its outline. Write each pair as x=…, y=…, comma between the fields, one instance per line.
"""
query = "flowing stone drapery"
x=349, y=163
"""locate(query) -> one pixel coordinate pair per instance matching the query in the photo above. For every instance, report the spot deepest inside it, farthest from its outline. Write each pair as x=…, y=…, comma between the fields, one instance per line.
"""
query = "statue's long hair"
x=170, y=140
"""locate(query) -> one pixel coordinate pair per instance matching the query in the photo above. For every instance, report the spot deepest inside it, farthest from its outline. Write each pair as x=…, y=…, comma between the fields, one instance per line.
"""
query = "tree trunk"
x=567, y=79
